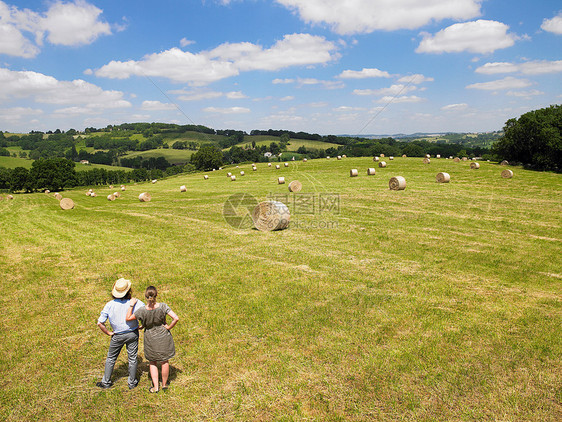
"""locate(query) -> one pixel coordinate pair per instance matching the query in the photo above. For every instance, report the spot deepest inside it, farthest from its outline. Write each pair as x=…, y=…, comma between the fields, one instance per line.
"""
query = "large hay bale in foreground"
x=371, y=171
x=353, y=173
x=443, y=178
x=504, y=163
x=66, y=204
x=426, y=160
x=183, y=188
x=145, y=197
x=295, y=186
x=397, y=183
x=474, y=165
x=382, y=164
x=281, y=180
x=111, y=197
x=271, y=215
x=507, y=174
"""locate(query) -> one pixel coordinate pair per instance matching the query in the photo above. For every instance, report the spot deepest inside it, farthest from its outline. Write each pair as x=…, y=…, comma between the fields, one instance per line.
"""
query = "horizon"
x=315, y=66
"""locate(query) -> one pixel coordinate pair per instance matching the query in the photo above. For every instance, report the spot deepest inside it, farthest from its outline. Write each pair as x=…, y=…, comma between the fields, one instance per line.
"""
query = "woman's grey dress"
x=158, y=341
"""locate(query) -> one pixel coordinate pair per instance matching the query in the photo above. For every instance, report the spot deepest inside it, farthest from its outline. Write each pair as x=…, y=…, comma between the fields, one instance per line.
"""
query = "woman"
x=158, y=341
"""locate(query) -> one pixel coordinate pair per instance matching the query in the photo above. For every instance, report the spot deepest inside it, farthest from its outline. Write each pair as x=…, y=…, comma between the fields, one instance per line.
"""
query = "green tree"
x=207, y=158
x=20, y=180
x=53, y=174
x=535, y=139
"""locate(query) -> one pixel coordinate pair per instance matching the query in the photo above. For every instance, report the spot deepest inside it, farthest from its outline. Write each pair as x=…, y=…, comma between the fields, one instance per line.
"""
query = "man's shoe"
x=103, y=385
x=134, y=385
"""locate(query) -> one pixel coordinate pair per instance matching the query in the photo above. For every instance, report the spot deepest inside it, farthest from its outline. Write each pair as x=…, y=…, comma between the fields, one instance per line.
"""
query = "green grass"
x=13, y=162
x=293, y=145
x=174, y=156
x=83, y=167
x=437, y=303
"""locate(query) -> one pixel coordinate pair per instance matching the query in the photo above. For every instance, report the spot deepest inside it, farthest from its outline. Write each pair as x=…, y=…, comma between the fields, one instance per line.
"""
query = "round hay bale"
x=254, y=168
x=242, y=173
x=93, y=194
x=507, y=174
x=339, y=157
x=277, y=166
x=304, y=160
x=465, y=158
x=450, y=157
x=47, y=191
x=442, y=178
x=111, y=186
x=123, y=188
x=58, y=196
x=371, y=171
x=271, y=215
x=504, y=163
x=90, y=190
x=268, y=164
x=281, y=180
x=397, y=183
x=457, y=160
x=154, y=181
x=328, y=157
x=382, y=164
x=66, y=204
x=183, y=188
x=382, y=155
x=295, y=186
x=111, y=197
x=145, y=197
x=391, y=158
x=353, y=173
x=286, y=164
x=116, y=195
x=474, y=165
x=205, y=177
x=426, y=160
x=376, y=158
x=228, y=174
x=232, y=178
x=438, y=156
x=344, y=156
x=404, y=156
x=9, y=197
x=427, y=156
x=88, y=193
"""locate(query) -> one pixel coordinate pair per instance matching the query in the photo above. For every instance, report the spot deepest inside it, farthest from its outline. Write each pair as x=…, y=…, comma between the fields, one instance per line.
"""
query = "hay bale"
x=371, y=171
x=504, y=163
x=47, y=191
x=339, y=157
x=426, y=160
x=344, y=156
x=88, y=193
x=271, y=215
x=304, y=160
x=397, y=183
x=457, y=160
x=66, y=204
x=450, y=157
x=145, y=197
x=286, y=164
x=353, y=173
x=295, y=186
x=465, y=158
x=232, y=178
x=9, y=197
x=116, y=194
x=507, y=174
x=228, y=174
x=277, y=166
x=442, y=178
x=111, y=186
x=376, y=158
x=93, y=194
x=58, y=196
x=404, y=156
x=427, y=156
x=205, y=177
x=391, y=158
x=154, y=181
x=281, y=180
x=382, y=155
x=254, y=168
x=111, y=197
x=382, y=164
x=183, y=188
x=438, y=156
x=268, y=164
x=474, y=165
x=123, y=188
x=328, y=157
x=90, y=190
x=242, y=173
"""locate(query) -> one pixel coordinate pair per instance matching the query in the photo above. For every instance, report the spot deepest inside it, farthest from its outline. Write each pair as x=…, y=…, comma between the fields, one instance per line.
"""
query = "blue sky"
x=321, y=66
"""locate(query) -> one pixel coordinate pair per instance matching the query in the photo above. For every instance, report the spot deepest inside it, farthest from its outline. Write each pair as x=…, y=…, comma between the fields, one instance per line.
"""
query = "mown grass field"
x=174, y=156
x=441, y=302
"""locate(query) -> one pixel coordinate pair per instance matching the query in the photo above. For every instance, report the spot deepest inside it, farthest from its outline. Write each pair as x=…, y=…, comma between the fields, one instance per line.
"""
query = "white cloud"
x=553, y=25
x=156, y=105
x=13, y=43
x=18, y=113
x=73, y=23
x=525, y=94
x=415, y=79
x=225, y=61
x=287, y=98
x=184, y=42
x=364, y=73
x=391, y=90
x=481, y=36
x=235, y=95
x=347, y=109
x=403, y=99
x=508, y=82
x=455, y=107
x=228, y=110
x=363, y=16
x=196, y=95
x=282, y=81
x=536, y=67
x=46, y=89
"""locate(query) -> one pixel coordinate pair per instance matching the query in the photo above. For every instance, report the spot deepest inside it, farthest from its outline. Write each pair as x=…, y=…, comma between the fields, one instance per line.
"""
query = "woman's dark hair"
x=150, y=294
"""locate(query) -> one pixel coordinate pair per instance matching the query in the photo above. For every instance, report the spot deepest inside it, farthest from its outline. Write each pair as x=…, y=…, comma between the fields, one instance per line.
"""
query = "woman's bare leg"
x=154, y=374
x=165, y=373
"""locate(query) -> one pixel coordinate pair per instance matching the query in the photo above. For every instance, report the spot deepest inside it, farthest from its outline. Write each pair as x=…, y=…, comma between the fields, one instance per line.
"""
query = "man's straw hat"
x=120, y=288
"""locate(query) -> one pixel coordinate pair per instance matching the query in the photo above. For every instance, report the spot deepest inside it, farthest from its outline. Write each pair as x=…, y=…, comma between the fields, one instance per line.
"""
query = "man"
x=124, y=332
